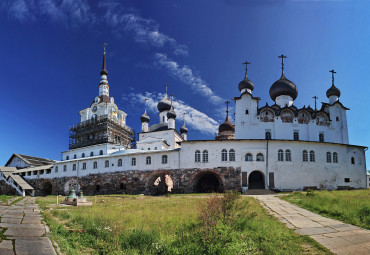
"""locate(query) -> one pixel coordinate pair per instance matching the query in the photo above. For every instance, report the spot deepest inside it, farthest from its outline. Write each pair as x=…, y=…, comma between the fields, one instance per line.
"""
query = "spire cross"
x=146, y=99
x=171, y=97
x=227, y=108
x=332, y=76
x=166, y=85
x=315, y=97
x=282, y=63
x=183, y=116
x=246, y=63
x=104, y=45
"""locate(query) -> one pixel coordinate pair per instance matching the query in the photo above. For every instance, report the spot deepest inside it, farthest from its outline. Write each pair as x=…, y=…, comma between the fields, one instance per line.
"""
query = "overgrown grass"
x=172, y=225
x=350, y=206
x=5, y=198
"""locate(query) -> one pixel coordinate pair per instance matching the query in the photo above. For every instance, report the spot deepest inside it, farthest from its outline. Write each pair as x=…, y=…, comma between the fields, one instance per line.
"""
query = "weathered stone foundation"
x=142, y=182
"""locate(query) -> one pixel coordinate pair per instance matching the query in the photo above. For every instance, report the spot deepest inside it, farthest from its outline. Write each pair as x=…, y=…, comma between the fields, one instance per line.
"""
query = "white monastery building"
x=277, y=147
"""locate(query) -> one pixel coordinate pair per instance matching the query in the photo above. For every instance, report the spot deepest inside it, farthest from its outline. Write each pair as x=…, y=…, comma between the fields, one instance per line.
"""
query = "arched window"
x=84, y=166
x=148, y=160
x=95, y=165
x=312, y=156
x=101, y=152
x=288, y=155
x=335, y=157
x=67, y=158
x=133, y=161
x=260, y=157
x=74, y=167
x=119, y=162
x=91, y=154
x=56, y=169
x=164, y=159
x=248, y=157
x=197, y=156
x=64, y=168
x=280, y=155
x=353, y=160
x=268, y=135
x=321, y=137
x=231, y=155
x=304, y=156
x=328, y=157
x=224, y=155
x=107, y=163
x=205, y=156
x=75, y=156
x=83, y=155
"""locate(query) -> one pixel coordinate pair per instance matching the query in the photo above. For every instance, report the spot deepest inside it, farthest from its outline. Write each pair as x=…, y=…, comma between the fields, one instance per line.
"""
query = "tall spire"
x=104, y=70
x=282, y=63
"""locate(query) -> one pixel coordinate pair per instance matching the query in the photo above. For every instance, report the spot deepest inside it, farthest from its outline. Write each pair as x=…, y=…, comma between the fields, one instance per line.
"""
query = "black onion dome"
x=226, y=126
x=333, y=91
x=171, y=114
x=283, y=86
x=183, y=129
x=164, y=105
x=145, y=118
x=246, y=84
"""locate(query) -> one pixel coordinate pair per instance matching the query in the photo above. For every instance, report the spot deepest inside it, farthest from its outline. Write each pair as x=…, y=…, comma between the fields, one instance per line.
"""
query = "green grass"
x=5, y=198
x=169, y=225
x=350, y=206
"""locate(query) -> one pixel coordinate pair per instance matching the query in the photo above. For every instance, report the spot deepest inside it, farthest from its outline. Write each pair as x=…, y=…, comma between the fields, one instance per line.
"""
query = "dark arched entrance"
x=208, y=183
x=47, y=188
x=256, y=180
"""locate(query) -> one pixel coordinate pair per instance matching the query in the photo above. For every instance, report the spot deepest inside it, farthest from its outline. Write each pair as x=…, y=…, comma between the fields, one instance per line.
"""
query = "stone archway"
x=159, y=184
x=207, y=182
x=256, y=180
x=47, y=188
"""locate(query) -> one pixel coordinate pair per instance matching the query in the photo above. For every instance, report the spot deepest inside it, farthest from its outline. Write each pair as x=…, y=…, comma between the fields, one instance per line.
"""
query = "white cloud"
x=186, y=75
x=145, y=31
x=194, y=118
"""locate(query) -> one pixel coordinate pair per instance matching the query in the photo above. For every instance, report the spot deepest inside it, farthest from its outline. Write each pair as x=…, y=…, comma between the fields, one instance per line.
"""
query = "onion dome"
x=171, y=114
x=164, y=104
x=246, y=83
x=183, y=129
x=333, y=91
x=145, y=117
x=285, y=87
x=226, y=126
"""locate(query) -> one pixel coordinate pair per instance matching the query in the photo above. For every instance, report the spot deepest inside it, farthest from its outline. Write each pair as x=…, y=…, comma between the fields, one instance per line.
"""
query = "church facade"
x=278, y=147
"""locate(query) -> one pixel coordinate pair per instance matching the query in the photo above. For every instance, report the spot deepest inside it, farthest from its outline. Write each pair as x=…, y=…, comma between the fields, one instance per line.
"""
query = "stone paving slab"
x=34, y=245
x=338, y=237
x=23, y=227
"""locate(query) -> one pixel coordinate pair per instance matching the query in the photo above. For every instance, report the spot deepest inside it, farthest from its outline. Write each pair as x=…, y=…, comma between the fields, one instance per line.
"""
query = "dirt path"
x=338, y=237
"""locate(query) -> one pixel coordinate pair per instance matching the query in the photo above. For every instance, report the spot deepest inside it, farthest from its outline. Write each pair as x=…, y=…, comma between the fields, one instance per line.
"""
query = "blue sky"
x=51, y=53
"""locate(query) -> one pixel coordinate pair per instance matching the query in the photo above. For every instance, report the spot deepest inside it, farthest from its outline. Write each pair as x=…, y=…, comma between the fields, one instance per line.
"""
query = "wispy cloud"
x=145, y=31
x=194, y=118
x=71, y=13
x=186, y=75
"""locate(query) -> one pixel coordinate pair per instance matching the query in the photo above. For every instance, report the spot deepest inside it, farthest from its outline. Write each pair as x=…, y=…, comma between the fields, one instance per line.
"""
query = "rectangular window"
x=337, y=118
x=346, y=180
x=133, y=161
x=246, y=111
x=56, y=169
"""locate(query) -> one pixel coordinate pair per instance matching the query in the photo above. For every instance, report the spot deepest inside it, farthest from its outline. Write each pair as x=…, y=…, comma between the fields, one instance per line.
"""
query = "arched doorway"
x=256, y=180
x=159, y=184
x=47, y=188
x=207, y=182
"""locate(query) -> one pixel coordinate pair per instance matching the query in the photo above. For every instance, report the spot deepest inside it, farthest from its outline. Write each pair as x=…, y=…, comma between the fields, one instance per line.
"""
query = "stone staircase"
x=259, y=192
